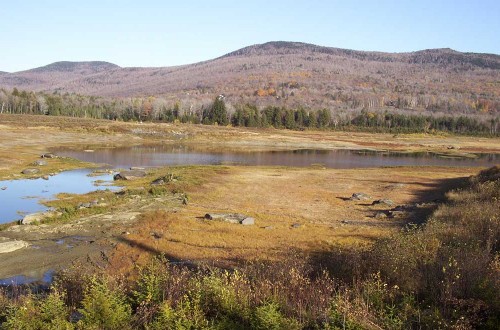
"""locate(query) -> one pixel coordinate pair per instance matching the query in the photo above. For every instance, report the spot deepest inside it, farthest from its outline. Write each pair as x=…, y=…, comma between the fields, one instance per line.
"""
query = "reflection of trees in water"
x=163, y=155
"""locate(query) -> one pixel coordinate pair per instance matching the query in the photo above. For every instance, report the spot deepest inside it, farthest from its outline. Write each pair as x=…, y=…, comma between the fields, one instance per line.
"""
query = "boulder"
x=130, y=175
x=164, y=179
x=30, y=171
x=33, y=218
x=40, y=162
x=48, y=155
x=359, y=197
x=380, y=215
x=4, y=188
x=248, y=221
x=236, y=218
x=6, y=245
x=387, y=202
x=296, y=225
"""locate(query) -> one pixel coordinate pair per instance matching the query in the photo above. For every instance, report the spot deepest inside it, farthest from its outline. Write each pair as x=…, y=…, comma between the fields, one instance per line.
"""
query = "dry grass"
x=277, y=198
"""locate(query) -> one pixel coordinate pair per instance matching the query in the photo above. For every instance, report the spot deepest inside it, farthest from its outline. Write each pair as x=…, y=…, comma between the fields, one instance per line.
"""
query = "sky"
x=151, y=33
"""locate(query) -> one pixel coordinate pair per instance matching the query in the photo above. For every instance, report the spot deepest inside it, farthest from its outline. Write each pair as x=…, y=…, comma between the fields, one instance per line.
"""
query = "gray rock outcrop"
x=30, y=171
x=130, y=175
x=7, y=245
x=359, y=197
x=236, y=218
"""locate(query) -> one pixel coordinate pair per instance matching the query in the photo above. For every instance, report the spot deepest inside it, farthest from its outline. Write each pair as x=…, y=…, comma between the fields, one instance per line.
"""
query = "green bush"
x=269, y=317
x=103, y=308
x=48, y=313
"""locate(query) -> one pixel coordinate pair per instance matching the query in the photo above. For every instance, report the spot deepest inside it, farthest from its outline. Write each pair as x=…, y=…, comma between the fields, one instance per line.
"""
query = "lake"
x=169, y=155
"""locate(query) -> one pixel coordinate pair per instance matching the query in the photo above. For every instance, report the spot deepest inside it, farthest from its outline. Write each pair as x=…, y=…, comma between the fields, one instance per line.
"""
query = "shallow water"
x=44, y=278
x=168, y=155
x=24, y=196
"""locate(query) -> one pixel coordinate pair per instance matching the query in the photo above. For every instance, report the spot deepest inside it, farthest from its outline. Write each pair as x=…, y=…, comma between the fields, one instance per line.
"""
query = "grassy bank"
x=443, y=274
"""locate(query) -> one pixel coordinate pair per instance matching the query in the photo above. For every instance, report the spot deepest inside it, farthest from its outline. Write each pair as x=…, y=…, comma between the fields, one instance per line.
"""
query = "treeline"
x=246, y=115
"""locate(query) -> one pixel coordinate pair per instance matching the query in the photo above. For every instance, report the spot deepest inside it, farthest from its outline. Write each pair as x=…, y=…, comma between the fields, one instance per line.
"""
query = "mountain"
x=292, y=74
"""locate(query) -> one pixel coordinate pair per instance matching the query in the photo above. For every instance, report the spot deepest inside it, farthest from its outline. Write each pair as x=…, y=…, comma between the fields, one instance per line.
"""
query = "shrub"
x=269, y=317
x=103, y=308
x=48, y=313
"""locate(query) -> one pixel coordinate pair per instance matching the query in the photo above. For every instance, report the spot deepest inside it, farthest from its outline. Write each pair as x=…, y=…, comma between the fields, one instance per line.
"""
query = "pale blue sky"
x=164, y=33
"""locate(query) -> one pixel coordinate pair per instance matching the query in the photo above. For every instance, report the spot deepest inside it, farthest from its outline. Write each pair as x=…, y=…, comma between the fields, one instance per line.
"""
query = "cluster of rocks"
x=236, y=218
x=39, y=162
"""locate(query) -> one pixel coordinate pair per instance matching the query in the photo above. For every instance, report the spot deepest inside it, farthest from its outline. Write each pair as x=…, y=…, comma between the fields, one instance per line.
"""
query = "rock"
x=3, y=188
x=45, y=177
x=130, y=175
x=231, y=218
x=33, y=218
x=248, y=221
x=30, y=171
x=7, y=245
x=164, y=179
x=156, y=235
x=40, y=162
x=135, y=168
x=296, y=225
x=387, y=202
x=158, y=182
x=380, y=215
x=268, y=227
x=359, y=197
x=84, y=205
x=397, y=214
x=48, y=155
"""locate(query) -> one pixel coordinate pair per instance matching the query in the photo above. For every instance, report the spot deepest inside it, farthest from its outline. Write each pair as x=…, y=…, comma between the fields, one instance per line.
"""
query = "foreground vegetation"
x=443, y=274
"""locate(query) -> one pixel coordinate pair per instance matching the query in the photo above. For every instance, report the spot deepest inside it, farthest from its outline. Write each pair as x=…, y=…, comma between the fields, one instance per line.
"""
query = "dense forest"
x=158, y=109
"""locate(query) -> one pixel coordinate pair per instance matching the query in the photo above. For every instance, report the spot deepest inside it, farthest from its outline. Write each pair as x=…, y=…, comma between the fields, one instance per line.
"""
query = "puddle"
x=32, y=278
x=22, y=197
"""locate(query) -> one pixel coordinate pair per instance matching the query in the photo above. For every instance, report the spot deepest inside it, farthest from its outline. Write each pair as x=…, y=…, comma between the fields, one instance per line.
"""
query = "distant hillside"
x=292, y=74
x=81, y=67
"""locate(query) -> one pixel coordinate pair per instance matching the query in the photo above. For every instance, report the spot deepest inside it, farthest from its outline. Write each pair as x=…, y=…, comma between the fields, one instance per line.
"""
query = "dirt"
x=277, y=197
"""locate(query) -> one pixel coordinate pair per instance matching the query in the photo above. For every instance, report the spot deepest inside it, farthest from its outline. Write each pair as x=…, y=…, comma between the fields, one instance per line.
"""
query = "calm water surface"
x=21, y=197
x=167, y=155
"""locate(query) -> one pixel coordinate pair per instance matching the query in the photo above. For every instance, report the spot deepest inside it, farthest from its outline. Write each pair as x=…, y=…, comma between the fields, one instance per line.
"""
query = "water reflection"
x=23, y=196
x=168, y=155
